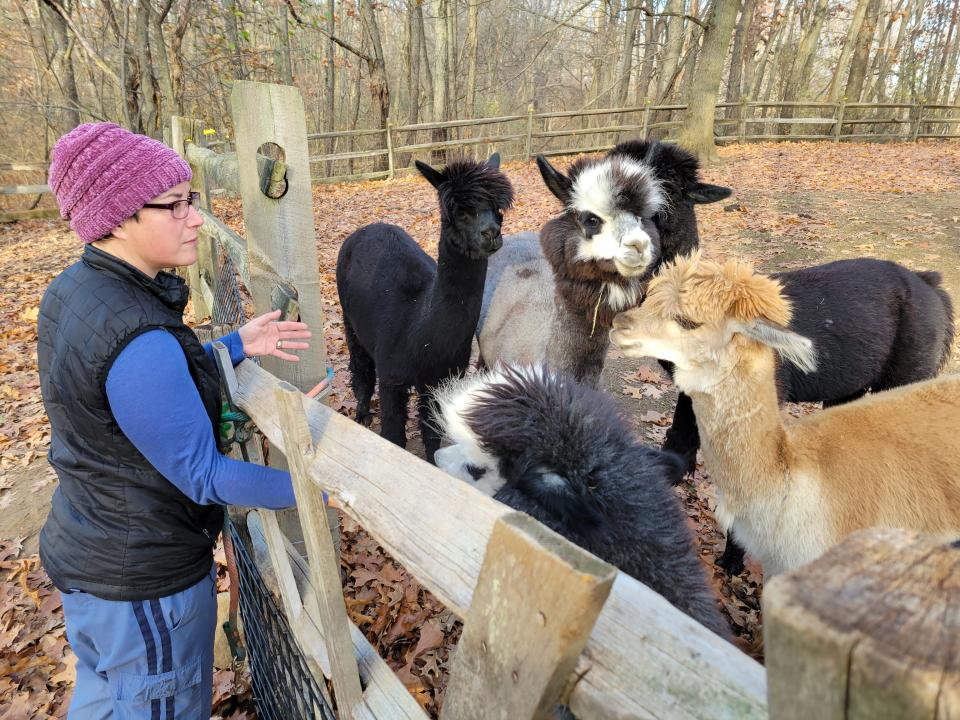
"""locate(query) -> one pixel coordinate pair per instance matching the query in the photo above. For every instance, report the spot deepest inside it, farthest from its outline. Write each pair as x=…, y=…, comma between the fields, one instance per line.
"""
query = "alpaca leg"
x=393, y=413
x=363, y=375
x=732, y=559
x=683, y=438
x=428, y=428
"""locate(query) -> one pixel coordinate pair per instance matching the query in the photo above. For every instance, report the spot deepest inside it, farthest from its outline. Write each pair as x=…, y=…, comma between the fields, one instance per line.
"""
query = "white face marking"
x=453, y=460
x=622, y=237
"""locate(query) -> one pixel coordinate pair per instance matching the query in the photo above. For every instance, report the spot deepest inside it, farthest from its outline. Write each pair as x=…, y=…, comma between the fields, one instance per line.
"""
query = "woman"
x=133, y=401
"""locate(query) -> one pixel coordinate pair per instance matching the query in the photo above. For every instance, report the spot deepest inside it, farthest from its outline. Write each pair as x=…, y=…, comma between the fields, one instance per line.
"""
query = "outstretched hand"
x=265, y=335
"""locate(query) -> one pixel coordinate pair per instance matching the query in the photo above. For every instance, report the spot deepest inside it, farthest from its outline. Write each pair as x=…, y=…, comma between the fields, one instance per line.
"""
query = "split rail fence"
x=868, y=631
x=365, y=154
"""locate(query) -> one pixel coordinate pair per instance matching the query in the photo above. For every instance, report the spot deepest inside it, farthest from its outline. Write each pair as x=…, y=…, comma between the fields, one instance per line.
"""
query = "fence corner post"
x=868, y=630
x=917, y=122
x=390, y=162
x=838, y=121
x=526, y=152
x=522, y=638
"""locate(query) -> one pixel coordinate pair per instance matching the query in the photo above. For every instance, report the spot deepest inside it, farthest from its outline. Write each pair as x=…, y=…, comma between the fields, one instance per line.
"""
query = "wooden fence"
x=869, y=630
x=336, y=156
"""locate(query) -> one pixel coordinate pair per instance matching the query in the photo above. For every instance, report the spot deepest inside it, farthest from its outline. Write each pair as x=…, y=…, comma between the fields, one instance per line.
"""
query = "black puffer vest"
x=117, y=528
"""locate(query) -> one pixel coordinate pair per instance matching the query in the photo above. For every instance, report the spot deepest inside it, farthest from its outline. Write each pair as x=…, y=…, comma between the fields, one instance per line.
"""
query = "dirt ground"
x=794, y=205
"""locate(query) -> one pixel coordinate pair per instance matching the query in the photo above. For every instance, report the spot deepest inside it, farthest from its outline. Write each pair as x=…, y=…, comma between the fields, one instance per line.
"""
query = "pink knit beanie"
x=102, y=174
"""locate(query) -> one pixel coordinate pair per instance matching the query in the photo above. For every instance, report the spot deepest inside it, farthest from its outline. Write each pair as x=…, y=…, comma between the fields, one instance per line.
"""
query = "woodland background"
x=357, y=63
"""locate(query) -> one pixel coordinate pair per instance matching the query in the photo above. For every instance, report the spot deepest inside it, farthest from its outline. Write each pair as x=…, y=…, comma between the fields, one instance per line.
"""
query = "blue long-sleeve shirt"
x=156, y=403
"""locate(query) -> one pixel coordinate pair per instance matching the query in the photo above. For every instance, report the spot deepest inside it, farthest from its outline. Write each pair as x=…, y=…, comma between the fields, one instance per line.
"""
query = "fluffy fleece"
x=791, y=490
x=561, y=452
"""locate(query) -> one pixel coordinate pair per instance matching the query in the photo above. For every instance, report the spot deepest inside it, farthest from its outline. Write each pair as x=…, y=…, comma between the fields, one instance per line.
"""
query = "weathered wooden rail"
x=868, y=631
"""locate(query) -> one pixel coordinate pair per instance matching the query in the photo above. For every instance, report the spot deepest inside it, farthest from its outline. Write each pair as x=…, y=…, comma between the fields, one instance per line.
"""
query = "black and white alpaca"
x=561, y=452
x=593, y=261
x=409, y=320
x=552, y=298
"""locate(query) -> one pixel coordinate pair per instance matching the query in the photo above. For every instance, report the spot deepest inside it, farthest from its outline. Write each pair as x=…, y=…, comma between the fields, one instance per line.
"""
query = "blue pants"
x=143, y=659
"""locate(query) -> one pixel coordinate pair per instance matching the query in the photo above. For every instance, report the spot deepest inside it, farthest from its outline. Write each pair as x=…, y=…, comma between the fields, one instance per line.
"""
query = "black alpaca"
x=875, y=325
x=409, y=320
x=561, y=452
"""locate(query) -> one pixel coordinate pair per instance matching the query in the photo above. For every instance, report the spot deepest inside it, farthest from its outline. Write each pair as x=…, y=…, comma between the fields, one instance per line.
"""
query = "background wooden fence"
x=351, y=155
x=869, y=630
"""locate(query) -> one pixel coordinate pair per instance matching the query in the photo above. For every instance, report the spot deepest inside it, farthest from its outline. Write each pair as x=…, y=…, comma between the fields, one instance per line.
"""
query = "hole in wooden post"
x=272, y=168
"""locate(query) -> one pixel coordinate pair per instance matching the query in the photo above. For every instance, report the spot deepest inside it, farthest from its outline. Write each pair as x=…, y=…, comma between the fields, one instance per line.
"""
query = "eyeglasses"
x=179, y=208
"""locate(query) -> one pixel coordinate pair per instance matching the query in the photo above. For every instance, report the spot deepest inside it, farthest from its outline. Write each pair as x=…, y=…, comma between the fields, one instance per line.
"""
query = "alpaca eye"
x=591, y=223
x=686, y=323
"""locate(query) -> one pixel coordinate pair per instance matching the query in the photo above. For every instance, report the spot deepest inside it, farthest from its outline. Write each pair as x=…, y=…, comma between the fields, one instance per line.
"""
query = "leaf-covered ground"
x=794, y=205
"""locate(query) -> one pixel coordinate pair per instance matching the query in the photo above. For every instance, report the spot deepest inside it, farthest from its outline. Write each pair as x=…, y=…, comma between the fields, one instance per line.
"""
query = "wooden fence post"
x=202, y=275
x=917, y=121
x=526, y=152
x=389, y=148
x=742, y=122
x=280, y=234
x=646, y=118
x=537, y=598
x=838, y=123
x=867, y=631
x=324, y=566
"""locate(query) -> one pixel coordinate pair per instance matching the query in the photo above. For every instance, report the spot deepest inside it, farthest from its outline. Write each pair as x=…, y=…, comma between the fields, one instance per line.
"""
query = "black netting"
x=283, y=686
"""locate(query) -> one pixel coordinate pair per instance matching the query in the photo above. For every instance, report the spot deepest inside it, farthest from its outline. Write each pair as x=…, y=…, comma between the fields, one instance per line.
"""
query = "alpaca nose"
x=492, y=239
x=638, y=240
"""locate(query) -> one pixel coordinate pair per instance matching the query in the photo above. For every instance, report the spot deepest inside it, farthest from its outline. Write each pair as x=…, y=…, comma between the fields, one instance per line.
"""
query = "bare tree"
x=696, y=134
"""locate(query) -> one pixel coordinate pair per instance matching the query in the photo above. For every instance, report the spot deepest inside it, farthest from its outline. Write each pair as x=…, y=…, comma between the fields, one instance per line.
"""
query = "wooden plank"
x=348, y=156
x=280, y=234
x=344, y=133
x=868, y=631
x=378, y=175
x=35, y=214
x=25, y=167
x=24, y=189
x=644, y=658
x=324, y=567
x=460, y=123
x=234, y=245
x=459, y=143
x=587, y=131
x=538, y=596
x=385, y=696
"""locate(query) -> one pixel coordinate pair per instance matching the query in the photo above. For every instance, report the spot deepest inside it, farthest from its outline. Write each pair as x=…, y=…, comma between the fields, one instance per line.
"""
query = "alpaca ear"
x=793, y=347
x=432, y=176
x=705, y=193
x=494, y=161
x=556, y=182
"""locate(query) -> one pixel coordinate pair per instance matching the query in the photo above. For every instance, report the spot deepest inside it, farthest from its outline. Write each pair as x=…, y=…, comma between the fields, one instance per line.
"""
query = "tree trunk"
x=861, y=53
x=672, y=44
x=473, y=40
x=739, y=56
x=62, y=67
x=441, y=83
x=169, y=104
x=753, y=41
x=626, y=56
x=376, y=66
x=330, y=81
x=853, y=32
x=779, y=20
x=286, y=55
x=696, y=134
x=692, y=52
x=233, y=38
x=149, y=123
x=649, y=55
x=799, y=78
x=413, y=62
